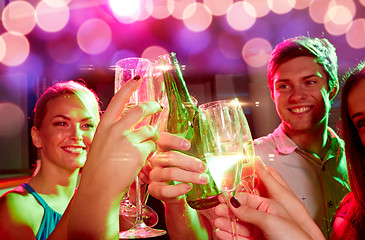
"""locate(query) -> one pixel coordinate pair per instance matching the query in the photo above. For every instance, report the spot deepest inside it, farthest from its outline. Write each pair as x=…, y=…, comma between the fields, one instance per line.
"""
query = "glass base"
x=141, y=233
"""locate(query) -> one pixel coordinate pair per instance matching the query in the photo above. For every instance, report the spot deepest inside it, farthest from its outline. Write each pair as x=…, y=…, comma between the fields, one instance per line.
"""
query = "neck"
x=60, y=184
x=314, y=141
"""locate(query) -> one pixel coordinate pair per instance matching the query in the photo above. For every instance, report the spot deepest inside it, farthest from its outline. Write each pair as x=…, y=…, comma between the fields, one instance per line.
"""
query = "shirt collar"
x=283, y=143
x=286, y=145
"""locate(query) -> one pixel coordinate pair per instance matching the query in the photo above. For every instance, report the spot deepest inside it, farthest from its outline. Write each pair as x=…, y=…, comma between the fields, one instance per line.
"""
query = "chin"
x=80, y=162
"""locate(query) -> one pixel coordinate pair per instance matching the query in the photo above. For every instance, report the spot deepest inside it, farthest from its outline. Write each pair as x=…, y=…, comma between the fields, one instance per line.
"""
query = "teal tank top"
x=50, y=217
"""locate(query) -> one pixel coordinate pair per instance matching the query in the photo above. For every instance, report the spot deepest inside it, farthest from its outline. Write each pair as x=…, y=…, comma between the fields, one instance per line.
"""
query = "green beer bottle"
x=183, y=120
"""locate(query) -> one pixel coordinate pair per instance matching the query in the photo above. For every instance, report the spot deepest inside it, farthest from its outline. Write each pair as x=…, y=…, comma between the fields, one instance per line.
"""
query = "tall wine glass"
x=149, y=90
x=226, y=140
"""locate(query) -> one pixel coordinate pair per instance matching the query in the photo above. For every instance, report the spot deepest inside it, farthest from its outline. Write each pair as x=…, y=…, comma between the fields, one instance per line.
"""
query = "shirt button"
x=330, y=204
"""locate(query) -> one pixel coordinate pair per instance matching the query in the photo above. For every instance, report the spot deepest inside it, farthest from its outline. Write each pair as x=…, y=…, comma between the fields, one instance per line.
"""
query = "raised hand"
x=117, y=154
x=279, y=214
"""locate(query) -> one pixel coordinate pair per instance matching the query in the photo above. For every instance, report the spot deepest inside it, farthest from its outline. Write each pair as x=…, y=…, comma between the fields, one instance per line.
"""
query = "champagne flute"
x=226, y=142
x=148, y=91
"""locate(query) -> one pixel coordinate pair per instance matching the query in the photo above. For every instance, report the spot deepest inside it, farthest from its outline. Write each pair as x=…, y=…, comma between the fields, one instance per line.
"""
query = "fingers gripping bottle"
x=183, y=120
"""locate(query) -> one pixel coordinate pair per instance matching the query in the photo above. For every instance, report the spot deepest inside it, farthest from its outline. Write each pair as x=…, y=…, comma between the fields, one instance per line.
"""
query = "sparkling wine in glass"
x=149, y=90
x=226, y=141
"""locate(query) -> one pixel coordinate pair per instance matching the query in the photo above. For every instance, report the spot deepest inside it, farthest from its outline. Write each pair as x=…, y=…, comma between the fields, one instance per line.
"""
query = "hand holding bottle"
x=169, y=165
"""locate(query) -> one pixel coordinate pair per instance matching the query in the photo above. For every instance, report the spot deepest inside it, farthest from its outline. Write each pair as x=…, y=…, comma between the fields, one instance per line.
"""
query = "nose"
x=76, y=133
x=298, y=94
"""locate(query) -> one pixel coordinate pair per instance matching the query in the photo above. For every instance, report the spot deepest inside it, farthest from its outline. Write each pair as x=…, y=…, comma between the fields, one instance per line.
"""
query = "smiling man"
x=302, y=76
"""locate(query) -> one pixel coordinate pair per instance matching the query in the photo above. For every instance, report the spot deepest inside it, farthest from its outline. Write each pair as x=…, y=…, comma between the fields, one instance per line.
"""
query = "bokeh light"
x=241, y=16
x=19, y=16
x=57, y=3
x=197, y=17
x=159, y=9
x=256, y=52
x=339, y=5
x=52, y=18
x=128, y=12
x=2, y=48
x=261, y=7
x=337, y=20
x=17, y=49
x=355, y=36
x=179, y=8
x=281, y=6
x=153, y=52
x=12, y=119
x=124, y=8
x=339, y=15
x=94, y=36
x=362, y=2
x=302, y=4
x=144, y=10
x=318, y=10
x=218, y=8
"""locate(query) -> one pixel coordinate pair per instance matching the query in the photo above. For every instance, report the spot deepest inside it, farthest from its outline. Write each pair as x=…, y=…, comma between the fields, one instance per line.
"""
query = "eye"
x=88, y=126
x=360, y=123
x=282, y=86
x=60, y=124
x=310, y=82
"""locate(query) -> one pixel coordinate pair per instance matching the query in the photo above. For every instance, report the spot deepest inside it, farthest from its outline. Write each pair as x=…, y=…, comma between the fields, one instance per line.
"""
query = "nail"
x=235, y=203
x=204, y=178
x=136, y=78
x=202, y=167
x=185, y=145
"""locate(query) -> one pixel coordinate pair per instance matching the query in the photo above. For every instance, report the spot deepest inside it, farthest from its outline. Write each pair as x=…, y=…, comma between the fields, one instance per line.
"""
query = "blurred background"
x=224, y=46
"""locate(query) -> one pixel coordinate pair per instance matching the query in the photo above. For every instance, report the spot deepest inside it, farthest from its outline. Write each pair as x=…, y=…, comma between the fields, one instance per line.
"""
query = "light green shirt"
x=320, y=184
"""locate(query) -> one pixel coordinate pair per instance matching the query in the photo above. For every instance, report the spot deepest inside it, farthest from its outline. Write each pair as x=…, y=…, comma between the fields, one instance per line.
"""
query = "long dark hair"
x=355, y=154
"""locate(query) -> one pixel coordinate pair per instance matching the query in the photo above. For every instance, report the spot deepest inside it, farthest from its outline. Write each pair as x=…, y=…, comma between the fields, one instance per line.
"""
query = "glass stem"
x=232, y=217
x=139, y=221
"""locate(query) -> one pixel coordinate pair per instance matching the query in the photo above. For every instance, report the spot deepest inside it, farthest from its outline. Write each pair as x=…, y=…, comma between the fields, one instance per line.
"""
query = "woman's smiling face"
x=66, y=133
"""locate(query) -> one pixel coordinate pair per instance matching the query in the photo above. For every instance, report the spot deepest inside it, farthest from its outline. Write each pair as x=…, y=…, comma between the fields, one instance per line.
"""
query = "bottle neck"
x=175, y=84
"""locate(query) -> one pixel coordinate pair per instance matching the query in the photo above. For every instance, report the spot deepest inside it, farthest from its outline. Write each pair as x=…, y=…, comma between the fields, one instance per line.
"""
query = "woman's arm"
x=117, y=154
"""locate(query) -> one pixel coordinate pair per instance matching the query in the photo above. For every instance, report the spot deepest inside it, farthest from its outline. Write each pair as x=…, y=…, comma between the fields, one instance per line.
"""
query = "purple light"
x=193, y=42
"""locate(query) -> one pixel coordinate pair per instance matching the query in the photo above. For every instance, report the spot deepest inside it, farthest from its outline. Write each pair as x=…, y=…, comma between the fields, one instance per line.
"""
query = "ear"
x=35, y=137
x=272, y=95
x=333, y=92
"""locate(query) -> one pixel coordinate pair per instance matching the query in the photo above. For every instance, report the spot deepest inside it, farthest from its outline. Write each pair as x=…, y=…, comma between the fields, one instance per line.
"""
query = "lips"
x=74, y=149
x=300, y=109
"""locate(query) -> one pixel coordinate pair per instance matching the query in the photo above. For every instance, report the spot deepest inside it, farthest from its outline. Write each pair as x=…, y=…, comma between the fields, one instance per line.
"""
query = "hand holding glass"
x=150, y=90
x=226, y=141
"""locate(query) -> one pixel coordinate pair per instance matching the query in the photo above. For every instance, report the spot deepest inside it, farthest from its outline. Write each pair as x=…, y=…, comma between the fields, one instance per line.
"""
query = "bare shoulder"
x=14, y=197
x=18, y=210
x=14, y=203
